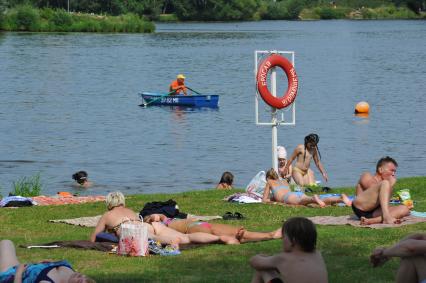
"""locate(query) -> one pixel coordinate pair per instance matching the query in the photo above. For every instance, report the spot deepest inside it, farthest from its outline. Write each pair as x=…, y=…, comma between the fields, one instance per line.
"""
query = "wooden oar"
x=146, y=104
x=193, y=90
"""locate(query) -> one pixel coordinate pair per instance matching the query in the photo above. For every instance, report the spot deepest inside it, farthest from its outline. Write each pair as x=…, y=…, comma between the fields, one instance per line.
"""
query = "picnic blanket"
x=91, y=221
x=354, y=221
x=60, y=200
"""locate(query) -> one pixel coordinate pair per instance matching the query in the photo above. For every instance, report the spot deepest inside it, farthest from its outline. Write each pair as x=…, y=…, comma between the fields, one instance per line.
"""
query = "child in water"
x=299, y=261
x=304, y=153
x=82, y=180
x=226, y=181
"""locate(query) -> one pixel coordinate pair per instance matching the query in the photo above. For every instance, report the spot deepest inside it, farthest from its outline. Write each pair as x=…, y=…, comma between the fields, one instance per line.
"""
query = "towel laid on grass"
x=354, y=221
x=57, y=200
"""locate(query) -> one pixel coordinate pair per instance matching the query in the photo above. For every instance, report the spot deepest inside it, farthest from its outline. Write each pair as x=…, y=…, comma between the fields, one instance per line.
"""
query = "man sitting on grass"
x=412, y=251
x=298, y=262
x=373, y=193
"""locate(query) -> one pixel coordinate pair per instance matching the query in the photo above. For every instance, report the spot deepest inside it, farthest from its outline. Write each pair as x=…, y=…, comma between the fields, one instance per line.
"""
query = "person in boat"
x=299, y=261
x=373, y=193
x=11, y=270
x=117, y=214
x=226, y=181
x=178, y=87
x=82, y=180
x=302, y=173
x=190, y=226
x=282, y=162
x=412, y=251
x=279, y=191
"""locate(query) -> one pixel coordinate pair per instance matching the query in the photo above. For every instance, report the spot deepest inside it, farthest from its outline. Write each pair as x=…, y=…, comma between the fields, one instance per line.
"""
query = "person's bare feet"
x=364, y=221
x=319, y=201
x=346, y=200
x=228, y=240
x=277, y=234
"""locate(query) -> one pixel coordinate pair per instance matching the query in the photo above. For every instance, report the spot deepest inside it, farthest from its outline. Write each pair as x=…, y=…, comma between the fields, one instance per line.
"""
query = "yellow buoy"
x=362, y=107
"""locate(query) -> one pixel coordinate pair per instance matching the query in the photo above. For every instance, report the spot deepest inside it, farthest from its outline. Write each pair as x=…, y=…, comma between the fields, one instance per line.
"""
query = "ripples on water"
x=69, y=102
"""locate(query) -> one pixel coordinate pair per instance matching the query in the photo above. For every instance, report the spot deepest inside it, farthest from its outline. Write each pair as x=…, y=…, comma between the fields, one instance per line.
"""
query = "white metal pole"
x=274, y=121
x=68, y=6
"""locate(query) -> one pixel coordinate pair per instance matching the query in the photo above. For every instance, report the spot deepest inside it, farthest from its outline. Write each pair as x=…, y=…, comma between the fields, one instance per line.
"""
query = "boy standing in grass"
x=298, y=262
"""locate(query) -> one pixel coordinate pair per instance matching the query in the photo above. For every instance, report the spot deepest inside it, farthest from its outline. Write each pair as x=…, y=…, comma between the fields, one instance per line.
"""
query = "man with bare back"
x=373, y=193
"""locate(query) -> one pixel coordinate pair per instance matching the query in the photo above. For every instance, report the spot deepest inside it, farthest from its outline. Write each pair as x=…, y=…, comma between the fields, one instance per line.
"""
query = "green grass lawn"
x=346, y=249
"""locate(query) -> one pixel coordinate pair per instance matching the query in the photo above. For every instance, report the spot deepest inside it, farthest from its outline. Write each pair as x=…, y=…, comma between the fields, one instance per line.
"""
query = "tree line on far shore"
x=133, y=15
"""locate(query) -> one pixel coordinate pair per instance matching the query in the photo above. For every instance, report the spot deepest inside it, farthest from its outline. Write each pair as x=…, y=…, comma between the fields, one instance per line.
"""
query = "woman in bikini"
x=11, y=270
x=117, y=214
x=191, y=226
x=279, y=191
x=304, y=153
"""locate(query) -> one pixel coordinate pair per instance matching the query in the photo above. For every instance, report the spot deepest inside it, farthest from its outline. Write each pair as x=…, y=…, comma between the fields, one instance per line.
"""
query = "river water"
x=69, y=102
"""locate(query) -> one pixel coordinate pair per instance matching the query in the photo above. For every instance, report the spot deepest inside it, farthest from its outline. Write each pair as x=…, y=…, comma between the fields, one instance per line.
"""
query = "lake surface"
x=69, y=102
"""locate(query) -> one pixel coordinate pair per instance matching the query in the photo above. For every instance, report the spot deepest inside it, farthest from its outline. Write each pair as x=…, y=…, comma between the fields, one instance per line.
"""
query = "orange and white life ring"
x=262, y=86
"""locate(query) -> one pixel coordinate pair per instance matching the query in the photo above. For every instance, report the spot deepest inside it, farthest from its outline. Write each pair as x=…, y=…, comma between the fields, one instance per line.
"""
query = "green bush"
x=27, y=186
x=167, y=18
x=276, y=11
x=62, y=20
x=27, y=18
x=330, y=13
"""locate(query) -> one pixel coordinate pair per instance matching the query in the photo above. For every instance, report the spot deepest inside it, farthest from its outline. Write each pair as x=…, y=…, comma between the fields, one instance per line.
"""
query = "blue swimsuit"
x=34, y=272
x=274, y=191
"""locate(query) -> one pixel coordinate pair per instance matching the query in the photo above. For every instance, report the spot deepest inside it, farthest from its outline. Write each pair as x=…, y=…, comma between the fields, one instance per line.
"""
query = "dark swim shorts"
x=360, y=213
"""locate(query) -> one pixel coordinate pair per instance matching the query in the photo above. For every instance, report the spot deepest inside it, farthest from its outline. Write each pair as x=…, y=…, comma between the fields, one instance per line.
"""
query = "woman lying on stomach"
x=118, y=214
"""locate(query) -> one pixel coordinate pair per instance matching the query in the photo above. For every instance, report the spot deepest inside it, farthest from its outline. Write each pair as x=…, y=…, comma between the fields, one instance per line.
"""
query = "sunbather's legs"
x=397, y=212
x=235, y=231
x=298, y=178
x=8, y=257
x=412, y=269
x=310, y=177
x=333, y=200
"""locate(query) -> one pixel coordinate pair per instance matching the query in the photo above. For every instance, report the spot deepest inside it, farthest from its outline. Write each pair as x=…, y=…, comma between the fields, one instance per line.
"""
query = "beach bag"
x=133, y=239
x=257, y=184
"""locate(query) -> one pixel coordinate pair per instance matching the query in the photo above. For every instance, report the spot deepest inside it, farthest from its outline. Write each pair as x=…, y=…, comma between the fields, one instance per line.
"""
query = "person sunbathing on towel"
x=11, y=270
x=299, y=261
x=189, y=226
x=280, y=192
x=117, y=214
x=373, y=193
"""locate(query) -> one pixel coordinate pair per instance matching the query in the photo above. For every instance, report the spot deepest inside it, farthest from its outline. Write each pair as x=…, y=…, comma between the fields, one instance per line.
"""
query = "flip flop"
x=238, y=216
x=228, y=216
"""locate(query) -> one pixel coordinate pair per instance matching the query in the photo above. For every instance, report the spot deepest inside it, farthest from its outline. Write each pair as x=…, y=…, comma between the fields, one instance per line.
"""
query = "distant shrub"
x=27, y=186
x=62, y=20
x=48, y=20
x=27, y=18
x=330, y=13
x=167, y=18
x=309, y=14
x=276, y=11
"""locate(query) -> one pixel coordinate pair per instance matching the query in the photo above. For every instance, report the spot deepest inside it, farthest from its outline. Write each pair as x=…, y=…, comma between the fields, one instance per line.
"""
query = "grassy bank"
x=27, y=18
x=389, y=12
x=346, y=249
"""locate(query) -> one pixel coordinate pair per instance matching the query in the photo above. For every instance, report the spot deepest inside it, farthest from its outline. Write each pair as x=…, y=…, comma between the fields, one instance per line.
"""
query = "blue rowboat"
x=150, y=98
